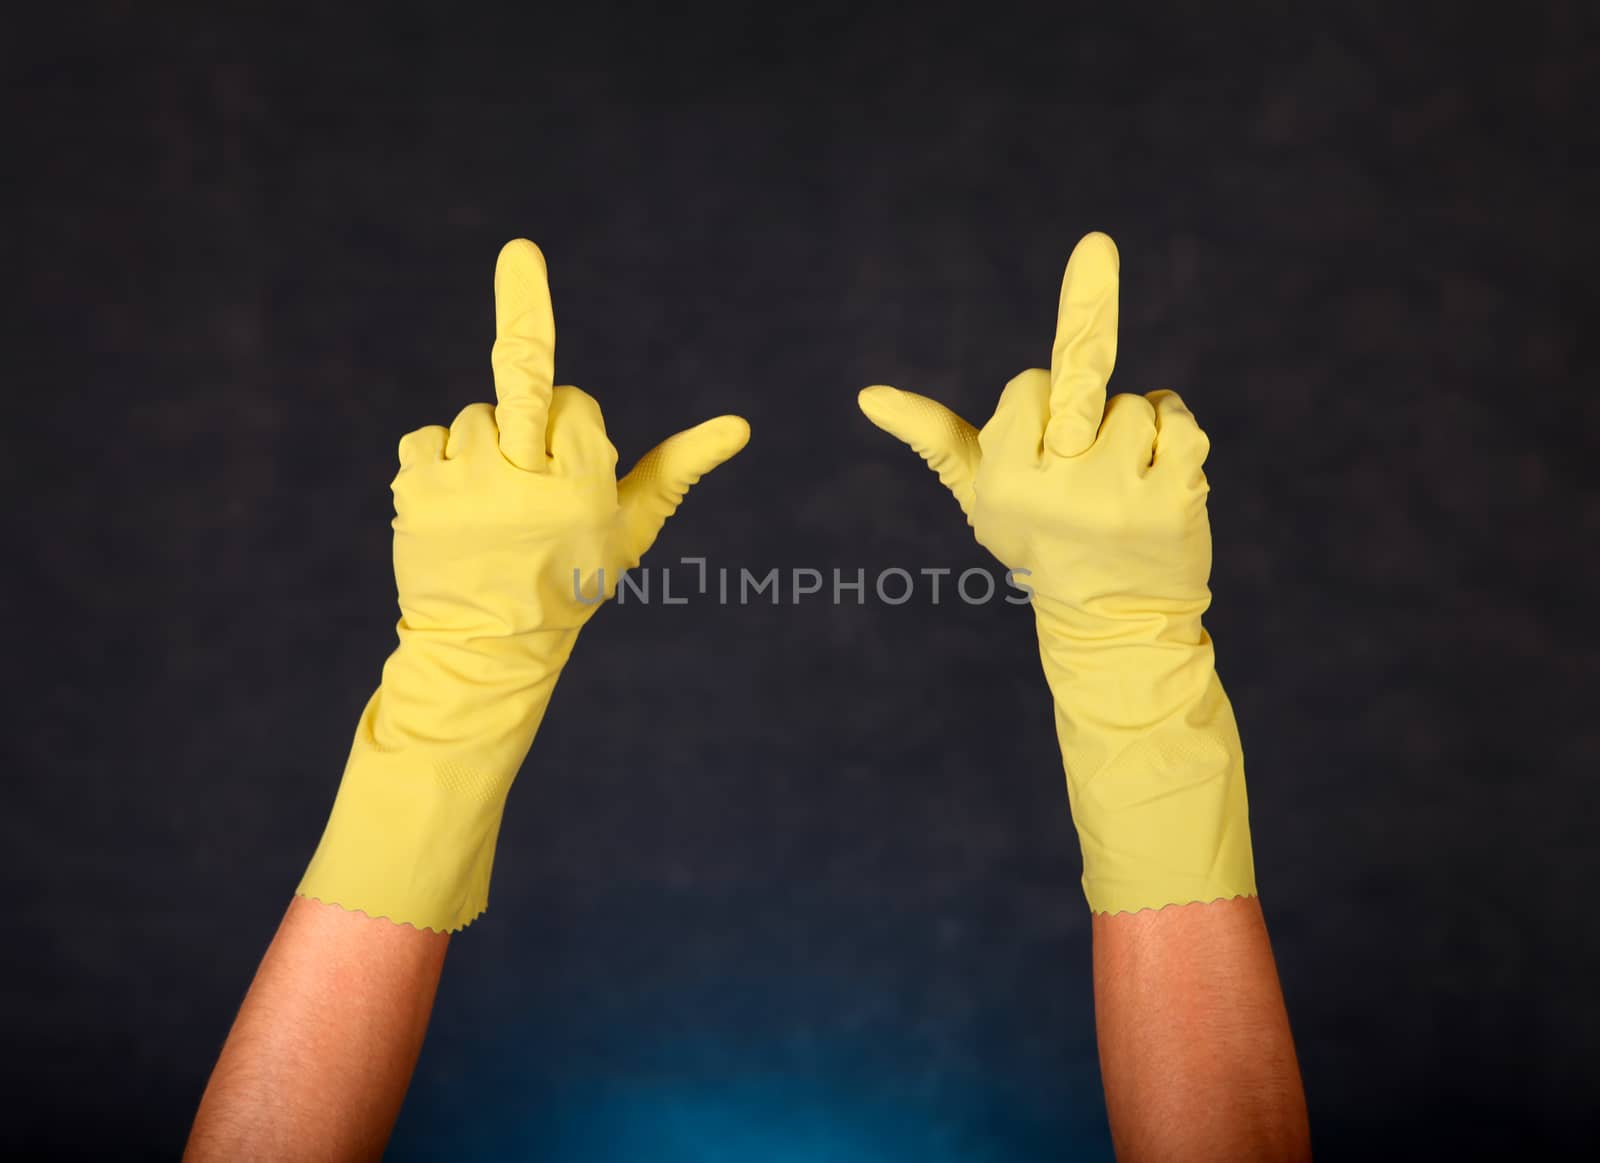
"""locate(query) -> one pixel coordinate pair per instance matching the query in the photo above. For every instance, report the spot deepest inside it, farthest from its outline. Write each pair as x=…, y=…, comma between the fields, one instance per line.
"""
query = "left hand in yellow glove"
x=1103, y=505
x=508, y=526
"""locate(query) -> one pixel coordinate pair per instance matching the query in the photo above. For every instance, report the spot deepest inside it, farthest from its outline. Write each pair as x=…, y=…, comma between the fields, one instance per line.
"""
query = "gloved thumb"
x=947, y=442
x=655, y=487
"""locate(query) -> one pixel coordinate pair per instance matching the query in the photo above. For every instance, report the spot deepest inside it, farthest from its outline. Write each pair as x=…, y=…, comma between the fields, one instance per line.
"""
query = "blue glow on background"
x=692, y=1122
x=600, y=1060
x=686, y=1117
x=678, y=1123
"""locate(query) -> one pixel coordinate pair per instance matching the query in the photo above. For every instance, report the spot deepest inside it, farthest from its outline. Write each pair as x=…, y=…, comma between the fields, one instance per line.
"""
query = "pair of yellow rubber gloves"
x=503, y=520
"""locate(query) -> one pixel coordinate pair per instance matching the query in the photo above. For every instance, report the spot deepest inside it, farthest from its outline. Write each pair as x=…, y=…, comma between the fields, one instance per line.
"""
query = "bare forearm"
x=319, y=1058
x=1195, y=1049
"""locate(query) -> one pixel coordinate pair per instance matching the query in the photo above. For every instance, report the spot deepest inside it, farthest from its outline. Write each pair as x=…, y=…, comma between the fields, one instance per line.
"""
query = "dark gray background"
x=800, y=883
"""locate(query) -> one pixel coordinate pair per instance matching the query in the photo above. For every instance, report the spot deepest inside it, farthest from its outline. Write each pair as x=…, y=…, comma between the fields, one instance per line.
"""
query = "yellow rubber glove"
x=1105, y=505
x=505, y=525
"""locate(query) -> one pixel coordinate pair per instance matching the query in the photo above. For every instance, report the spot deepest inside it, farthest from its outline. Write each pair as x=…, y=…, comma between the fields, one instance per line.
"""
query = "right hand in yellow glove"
x=1104, y=505
x=509, y=526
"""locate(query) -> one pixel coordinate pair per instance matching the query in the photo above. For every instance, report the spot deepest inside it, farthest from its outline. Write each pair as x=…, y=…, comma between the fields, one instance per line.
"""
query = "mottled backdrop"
x=800, y=883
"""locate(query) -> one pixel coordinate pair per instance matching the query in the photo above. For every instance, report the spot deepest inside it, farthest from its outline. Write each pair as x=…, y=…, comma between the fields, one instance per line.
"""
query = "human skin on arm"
x=1195, y=1051
x=510, y=528
x=319, y=1058
x=1099, y=505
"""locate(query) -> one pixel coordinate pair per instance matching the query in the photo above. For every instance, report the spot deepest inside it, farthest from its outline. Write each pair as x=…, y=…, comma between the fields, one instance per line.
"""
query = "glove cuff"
x=1165, y=820
x=1154, y=765
x=411, y=837
x=412, y=833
